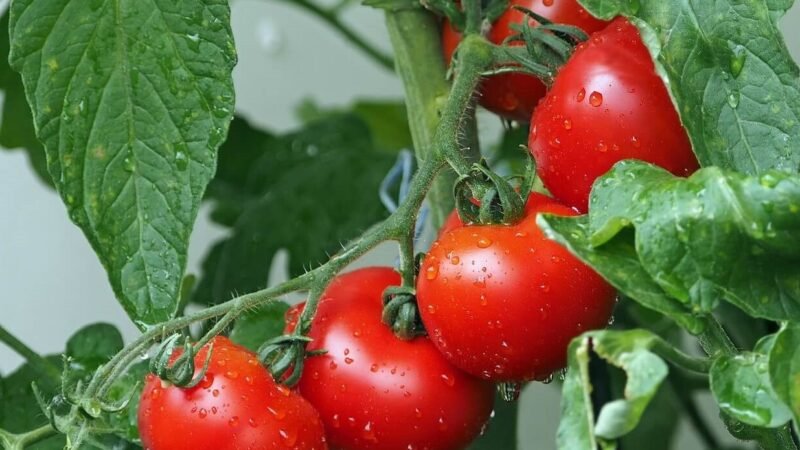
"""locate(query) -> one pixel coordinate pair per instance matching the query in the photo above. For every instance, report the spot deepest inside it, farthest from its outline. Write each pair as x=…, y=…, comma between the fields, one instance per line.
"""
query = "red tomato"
x=503, y=302
x=375, y=391
x=236, y=406
x=515, y=95
x=607, y=104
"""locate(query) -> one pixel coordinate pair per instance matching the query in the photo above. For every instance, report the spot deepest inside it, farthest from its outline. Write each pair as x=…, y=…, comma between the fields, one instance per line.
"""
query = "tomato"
x=503, y=302
x=515, y=95
x=375, y=391
x=607, y=104
x=236, y=406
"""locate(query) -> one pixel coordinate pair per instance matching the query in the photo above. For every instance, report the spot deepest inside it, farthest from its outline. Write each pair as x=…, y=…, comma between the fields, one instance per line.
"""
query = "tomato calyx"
x=546, y=46
x=179, y=370
x=400, y=312
x=284, y=357
x=486, y=198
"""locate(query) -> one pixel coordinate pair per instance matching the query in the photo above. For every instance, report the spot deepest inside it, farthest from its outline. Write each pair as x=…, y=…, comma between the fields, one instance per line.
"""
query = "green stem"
x=12, y=441
x=670, y=353
x=415, y=38
x=715, y=341
x=36, y=361
x=331, y=17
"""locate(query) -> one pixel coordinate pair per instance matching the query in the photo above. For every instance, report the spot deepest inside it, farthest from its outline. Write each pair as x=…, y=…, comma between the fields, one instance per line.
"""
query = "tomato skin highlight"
x=236, y=406
x=515, y=95
x=374, y=391
x=503, y=302
x=607, y=104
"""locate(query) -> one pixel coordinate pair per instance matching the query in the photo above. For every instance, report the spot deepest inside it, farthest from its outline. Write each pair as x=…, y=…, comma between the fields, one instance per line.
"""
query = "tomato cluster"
x=500, y=303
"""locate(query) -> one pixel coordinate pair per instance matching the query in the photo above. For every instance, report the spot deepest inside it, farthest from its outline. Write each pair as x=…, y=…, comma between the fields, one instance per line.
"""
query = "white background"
x=51, y=283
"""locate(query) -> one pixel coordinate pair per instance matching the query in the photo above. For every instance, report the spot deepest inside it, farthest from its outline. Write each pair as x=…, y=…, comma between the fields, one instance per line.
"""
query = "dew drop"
x=373, y=368
x=234, y=421
x=432, y=272
x=567, y=124
x=368, y=434
x=448, y=380
x=602, y=147
x=335, y=421
x=215, y=392
x=635, y=142
x=279, y=414
x=289, y=438
x=202, y=413
x=232, y=374
x=284, y=390
x=738, y=59
x=484, y=242
x=431, y=309
x=596, y=99
x=181, y=161
x=455, y=260
x=547, y=2
x=348, y=360
x=333, y=365
x=581, y=95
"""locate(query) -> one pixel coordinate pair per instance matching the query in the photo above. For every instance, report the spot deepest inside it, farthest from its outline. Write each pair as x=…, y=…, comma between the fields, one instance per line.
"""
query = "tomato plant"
x=503, y=302
x=666, y=147
x=377, y=392
x=607, y=104
x=515, y=95
x=235, y=405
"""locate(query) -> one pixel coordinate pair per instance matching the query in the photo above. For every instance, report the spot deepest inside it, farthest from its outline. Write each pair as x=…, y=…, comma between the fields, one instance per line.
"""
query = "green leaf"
x=131, y=99
x=501, y=431
x=387, y=120
x=784, y=367
x=717, y=234
x=16, y=129
x=741, y=385
x=93, y=345
x=627, y=350
x=307, y=193
x=734, y=82
x=258, y=326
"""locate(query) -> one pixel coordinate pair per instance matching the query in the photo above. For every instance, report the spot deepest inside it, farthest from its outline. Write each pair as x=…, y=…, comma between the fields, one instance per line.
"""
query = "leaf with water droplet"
x=742, y=388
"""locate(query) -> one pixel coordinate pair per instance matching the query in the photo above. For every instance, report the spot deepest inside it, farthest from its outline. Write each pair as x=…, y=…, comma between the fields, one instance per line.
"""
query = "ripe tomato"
x=607, y=104
x=515, y=95
x=375, y=391
x=503, y=302
x=236, y=406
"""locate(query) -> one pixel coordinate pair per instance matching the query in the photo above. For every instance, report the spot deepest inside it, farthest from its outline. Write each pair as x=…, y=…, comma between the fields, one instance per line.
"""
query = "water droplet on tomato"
x=555, y=142
x=484, y=242
x=602, y=147
x=448, y=380
x=252, y=422
x=284, y=390
x=635, y=142
x=202, y=413
x=455, y=260
x=289, y=438
x=249, y=380
x=483, y=300
x=234, y=421
x=417, y=413
x=547, y=2
x=155, y=393
x=596, y=99
x=346, y=351
x=232, y=374
x=207, y=381
x=431, y=309
x=333, y=365
x=277, y=413
x=442, y=424
x=581, y=95
x=432, y=272
x=214, y=410
x=567, y=124
x=368, y=434
x=373, y=368
x=348, y=360
x=335, y=421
